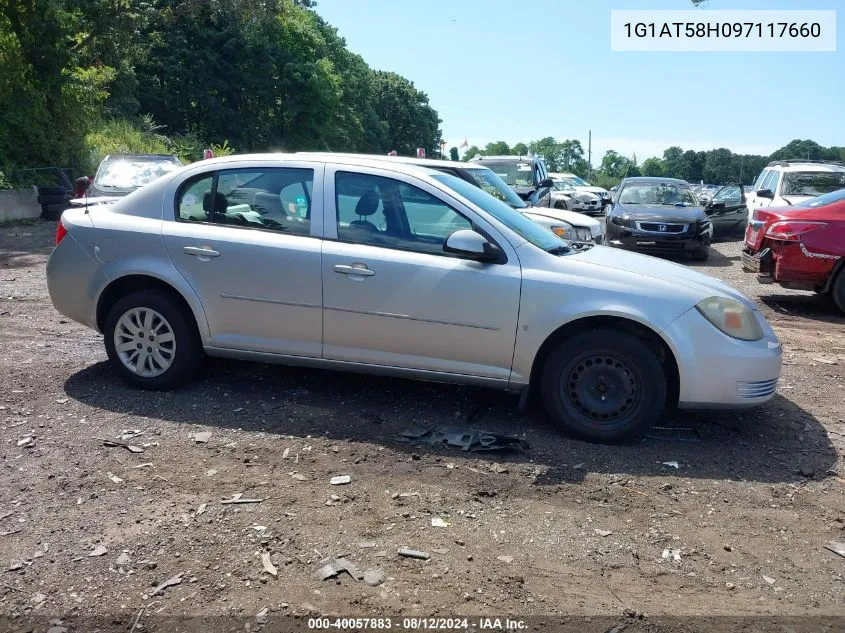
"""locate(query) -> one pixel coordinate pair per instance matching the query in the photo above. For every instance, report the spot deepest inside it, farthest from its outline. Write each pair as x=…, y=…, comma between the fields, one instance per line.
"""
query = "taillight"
x=791, y=230
x=61, y=231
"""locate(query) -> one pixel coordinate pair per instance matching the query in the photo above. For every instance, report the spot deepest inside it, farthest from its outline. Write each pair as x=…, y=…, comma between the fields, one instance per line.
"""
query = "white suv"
x=785, y=182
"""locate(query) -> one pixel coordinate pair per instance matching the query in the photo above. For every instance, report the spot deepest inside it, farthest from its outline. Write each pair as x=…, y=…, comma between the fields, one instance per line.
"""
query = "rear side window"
x=273, y=198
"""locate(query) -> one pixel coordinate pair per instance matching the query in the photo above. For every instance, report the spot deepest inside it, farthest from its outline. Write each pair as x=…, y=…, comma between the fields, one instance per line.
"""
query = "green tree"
x=652, y=167
x=520, y=149
x=453, y=153
x=472, y=152
x=498, y=148
x=549, y=149
x=409, y=119
x=613, y=164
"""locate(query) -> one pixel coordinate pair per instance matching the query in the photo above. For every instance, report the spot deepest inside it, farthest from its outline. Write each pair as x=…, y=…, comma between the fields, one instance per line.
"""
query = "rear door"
x=246, y=239
x=393, y=297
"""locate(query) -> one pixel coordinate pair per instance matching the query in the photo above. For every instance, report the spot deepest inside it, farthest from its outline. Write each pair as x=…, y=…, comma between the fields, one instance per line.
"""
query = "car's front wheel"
x=604, y=386
x=838, y=289
x=151, y=341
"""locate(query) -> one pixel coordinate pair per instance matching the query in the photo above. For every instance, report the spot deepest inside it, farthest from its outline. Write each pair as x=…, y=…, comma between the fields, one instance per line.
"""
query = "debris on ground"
x=340, y=480
x=413, y=553
x=100, y=550
x=128, y=434
x=674, y=465
x=28, y=441
x=499, y=469
x=114, y=478
x=373, y=577
x=15, y=566
x=62, y=400
x=170, y=582
x=130, y=447
x=269, y=567
x=438, y=522
x=463, y=437
x=299, y=476
x=769, y=579
x=336, y=565
x=200, y=509
x=602, y=533
x=123, y=559
x=200, y=437
x=836, y=547
x=238, y=498
x=367, y=545
x=671, y=554
x=505, y=559
x=144, y=465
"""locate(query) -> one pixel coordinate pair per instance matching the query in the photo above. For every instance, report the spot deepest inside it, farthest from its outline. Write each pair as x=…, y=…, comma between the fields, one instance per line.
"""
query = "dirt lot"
x=563, y=529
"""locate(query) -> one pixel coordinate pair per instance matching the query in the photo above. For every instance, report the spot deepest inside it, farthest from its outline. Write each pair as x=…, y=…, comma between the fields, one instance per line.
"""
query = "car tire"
x=838, y=289
x=52, y=199
x=577, y=373
x=178, y=348
x=53, y=211
x=702, y=255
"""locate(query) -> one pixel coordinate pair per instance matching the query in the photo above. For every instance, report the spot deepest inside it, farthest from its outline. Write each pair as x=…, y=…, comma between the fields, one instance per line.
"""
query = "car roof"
x=432, y=163
x=361, y=160
x=797, y=165
x=142, y=156
x=654, y=179
x=493, y=159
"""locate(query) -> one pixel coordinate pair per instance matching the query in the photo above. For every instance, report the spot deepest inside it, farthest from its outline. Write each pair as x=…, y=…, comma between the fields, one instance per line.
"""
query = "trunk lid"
x=762, y=219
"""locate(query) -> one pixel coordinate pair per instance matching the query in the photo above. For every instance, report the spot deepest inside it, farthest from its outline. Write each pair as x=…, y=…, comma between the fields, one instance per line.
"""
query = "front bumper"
x=717, y=371
x=632, y=239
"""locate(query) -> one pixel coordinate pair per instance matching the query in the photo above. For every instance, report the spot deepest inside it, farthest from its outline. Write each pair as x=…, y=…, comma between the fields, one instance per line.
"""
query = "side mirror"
x=714, y=207
x=545, y=182
x=472, y=245
x=765, y=193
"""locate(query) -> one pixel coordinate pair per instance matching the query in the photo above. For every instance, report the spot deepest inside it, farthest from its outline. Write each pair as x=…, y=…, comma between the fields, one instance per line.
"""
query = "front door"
x=393, y=297
x=243, y=240
x=727, y=211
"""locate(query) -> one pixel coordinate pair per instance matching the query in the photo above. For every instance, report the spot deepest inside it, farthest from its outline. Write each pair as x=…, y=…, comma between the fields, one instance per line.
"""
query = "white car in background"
x=786, y=182
x=582, y=185
x=564, y=196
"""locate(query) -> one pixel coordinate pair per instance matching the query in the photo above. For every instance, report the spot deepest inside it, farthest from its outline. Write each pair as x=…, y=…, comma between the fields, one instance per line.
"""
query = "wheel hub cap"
x=144, y=342
x=601, y=387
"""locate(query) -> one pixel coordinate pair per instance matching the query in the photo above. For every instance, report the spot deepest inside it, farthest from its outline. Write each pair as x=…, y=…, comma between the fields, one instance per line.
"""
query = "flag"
x=634, y=158
x=464, y=145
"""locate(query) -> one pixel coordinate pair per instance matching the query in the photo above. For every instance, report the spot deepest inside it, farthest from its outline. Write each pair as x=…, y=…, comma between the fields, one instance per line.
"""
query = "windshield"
x=514, y=220
x=496, y=187
x=561, y=185
x=575, y=181
x=811, y=183
x=828, y=198
x=516, y=173
x=131, y=173
x=657, y=193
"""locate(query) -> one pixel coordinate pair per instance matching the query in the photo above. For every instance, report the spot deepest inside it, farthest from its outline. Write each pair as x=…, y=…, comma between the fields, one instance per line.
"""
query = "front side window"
x=575, y=181
x=771, y=181
x=758, y=184
x=278, y=199
x=385, y=212
x=729, y=195
x=811, y=183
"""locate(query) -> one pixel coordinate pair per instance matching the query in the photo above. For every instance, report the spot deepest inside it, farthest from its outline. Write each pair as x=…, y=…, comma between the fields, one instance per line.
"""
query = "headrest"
x=220, y=203
x=368, y=203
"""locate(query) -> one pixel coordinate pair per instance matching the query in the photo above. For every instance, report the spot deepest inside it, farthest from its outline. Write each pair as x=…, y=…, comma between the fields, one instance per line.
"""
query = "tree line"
x=717, y=166
x=80, y=77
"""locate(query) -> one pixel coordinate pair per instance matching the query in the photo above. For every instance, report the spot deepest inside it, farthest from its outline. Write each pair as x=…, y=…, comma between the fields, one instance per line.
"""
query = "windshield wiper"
x=559, y=250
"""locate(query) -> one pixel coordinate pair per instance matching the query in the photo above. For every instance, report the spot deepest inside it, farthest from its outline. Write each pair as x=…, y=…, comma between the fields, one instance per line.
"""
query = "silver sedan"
x=353, y=264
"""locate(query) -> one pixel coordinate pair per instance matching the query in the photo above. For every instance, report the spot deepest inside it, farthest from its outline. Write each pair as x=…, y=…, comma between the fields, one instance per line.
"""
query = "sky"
x=520, y=71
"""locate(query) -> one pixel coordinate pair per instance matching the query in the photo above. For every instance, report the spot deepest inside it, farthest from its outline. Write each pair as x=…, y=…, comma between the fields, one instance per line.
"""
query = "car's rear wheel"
x=151, y=341
x=838, y=289
x=604, y=386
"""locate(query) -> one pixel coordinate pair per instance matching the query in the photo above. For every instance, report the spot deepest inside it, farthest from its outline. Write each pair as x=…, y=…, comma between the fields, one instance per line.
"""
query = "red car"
x=800, y=247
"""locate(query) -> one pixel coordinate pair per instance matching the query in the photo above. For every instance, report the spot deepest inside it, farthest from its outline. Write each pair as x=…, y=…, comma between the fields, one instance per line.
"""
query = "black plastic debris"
x=465, y=438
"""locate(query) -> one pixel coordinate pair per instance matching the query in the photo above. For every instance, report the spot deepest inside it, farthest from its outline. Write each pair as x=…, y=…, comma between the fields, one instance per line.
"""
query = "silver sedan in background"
x=354, y=264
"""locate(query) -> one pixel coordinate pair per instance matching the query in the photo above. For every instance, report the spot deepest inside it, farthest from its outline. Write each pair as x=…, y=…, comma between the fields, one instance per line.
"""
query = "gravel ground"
x=562, y=529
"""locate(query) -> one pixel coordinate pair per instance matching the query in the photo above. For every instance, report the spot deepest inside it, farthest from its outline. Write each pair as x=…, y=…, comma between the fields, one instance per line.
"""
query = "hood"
x=570, y=217
x=599, y=191
x=662, y=270
x=657, y=213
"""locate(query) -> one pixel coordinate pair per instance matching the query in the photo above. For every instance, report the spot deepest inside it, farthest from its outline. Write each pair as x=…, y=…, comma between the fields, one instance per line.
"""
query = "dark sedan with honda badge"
x=658, y=215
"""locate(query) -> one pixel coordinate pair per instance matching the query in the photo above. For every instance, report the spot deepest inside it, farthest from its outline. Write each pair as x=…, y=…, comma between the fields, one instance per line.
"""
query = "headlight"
x=572, y=233
x=731, y=317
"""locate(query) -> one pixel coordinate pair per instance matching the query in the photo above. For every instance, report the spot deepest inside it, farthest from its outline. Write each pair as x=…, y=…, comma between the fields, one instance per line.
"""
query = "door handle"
x=361, y=270
x=200, y=252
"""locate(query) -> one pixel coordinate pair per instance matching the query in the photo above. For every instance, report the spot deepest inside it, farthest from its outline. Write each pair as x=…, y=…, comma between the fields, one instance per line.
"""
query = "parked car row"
x=381, y=266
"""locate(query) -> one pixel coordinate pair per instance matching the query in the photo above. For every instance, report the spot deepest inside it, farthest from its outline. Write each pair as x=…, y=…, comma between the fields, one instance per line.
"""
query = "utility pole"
x=589, y=154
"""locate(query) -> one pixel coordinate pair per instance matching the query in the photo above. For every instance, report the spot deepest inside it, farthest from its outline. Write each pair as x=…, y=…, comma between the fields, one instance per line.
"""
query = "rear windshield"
x=811, y=183
x=819, y=201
